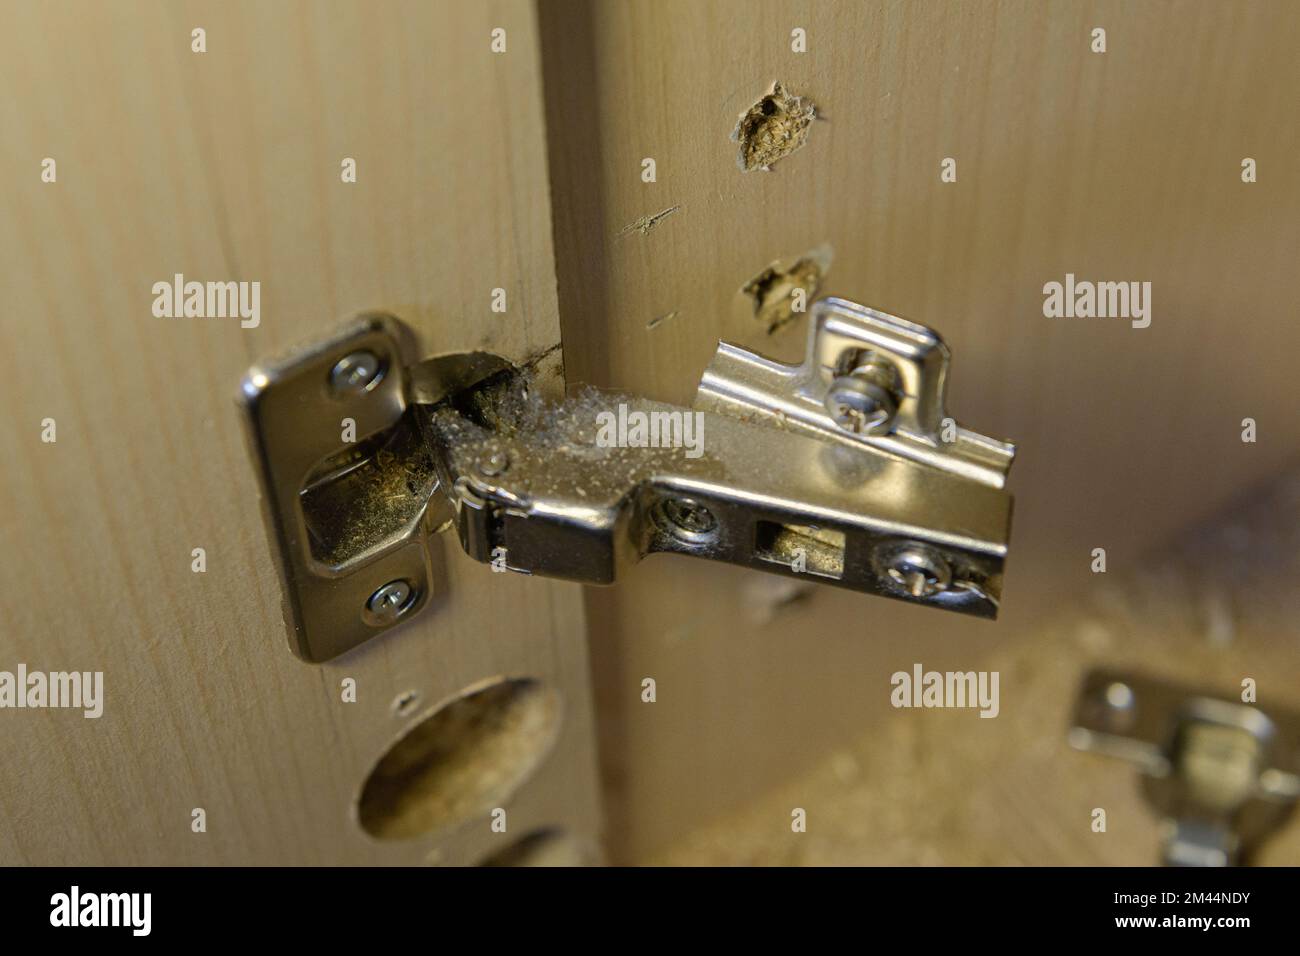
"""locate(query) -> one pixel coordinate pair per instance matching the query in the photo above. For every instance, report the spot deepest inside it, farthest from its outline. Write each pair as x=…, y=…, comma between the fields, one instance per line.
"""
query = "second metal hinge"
x=1222, y=774
x=845, y=469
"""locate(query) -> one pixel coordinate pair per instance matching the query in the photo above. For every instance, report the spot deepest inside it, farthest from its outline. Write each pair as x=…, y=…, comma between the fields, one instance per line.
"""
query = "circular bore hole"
x=551, y=847
x=467, y=757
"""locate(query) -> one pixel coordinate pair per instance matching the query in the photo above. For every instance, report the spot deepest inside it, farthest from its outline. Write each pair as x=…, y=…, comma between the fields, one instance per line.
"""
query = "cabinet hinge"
x=845, y=469
x=1221, y=774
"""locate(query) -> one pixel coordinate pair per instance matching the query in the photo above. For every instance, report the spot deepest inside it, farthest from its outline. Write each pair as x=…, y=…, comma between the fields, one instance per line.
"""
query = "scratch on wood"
x=538, y=357
x=660, y=319
x=646, y=223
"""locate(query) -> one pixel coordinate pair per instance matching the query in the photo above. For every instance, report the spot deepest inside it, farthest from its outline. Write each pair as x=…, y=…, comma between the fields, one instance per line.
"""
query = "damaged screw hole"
x=773, y=291
x=772, y=128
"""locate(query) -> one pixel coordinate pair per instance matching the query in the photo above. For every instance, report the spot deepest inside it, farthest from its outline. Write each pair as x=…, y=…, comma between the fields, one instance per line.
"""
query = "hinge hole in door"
x=462, y=760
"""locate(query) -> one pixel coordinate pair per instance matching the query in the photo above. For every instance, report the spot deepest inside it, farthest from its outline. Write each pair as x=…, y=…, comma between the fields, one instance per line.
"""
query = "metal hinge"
x=1221, y=774
x=844, y=469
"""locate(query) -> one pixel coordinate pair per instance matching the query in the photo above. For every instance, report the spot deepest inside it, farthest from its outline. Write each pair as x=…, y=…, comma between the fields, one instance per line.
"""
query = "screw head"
x=916, y=570
x=494, y=464
x=1119, y=696
x=860, y=407
x=687, y=519
x=863, y=396
x=355, y=373
x=390, y=602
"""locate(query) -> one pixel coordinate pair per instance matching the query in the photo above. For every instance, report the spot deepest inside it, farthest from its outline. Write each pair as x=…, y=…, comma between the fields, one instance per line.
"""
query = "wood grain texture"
x=225, y=165
x=1116, y=166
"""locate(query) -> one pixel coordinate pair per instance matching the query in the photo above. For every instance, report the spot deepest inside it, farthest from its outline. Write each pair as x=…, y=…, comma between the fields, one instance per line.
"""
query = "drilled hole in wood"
x=464, y=759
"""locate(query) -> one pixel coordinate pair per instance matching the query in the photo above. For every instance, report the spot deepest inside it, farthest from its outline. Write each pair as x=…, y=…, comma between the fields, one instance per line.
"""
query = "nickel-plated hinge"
x=845, y=469
x=1222, y=775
